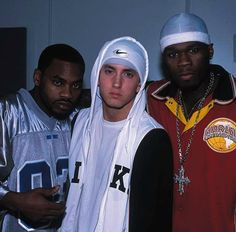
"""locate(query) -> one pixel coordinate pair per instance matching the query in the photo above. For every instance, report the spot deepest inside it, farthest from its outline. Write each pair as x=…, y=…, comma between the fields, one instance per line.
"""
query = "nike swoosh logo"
x=118, y=51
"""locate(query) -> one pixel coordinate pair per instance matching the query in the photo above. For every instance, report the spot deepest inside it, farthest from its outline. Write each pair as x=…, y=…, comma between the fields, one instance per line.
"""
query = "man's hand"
x=35, y=206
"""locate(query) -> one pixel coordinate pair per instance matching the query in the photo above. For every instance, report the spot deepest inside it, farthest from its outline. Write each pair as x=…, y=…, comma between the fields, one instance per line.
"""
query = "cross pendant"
x=181, y=180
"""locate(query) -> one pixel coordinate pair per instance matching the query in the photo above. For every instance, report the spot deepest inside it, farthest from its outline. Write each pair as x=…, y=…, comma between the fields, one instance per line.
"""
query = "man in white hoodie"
x=120, y=162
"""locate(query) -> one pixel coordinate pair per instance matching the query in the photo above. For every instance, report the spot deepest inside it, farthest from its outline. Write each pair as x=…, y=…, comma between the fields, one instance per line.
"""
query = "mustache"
x=64, y=100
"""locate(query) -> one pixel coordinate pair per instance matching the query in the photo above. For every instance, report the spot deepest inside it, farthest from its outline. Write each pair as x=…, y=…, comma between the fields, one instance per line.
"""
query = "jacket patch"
x=220, y=135
x=118, y=181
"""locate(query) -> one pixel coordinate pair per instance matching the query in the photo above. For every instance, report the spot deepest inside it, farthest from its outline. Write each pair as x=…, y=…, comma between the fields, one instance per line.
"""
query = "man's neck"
x=113, y=116
x=191, y=99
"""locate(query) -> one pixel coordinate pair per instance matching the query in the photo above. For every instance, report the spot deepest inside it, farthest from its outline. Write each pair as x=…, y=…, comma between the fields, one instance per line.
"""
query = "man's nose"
x=66, y=92
x=184, y=59
x=117, y=81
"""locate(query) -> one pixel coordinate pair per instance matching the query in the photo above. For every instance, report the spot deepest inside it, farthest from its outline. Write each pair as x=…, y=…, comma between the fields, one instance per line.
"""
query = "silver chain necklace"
x=180, y=178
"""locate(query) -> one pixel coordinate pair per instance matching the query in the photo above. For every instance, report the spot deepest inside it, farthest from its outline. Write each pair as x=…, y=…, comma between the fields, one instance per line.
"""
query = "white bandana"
x=183, y=27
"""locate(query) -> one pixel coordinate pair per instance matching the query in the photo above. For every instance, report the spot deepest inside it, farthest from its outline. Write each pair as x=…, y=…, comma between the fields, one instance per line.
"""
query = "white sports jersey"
x=38, y=145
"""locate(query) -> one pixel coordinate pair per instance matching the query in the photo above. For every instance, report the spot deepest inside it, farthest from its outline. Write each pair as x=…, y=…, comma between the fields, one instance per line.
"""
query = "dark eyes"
x=171, y=54
x=194, y=50
x=126, y=73
x=60, y=83
x=77, y=85
x=57, y=82
x=175, y=54
x=108, y=71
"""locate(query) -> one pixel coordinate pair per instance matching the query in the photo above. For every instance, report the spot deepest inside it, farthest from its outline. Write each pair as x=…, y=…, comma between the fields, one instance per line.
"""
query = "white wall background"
x=87, y=24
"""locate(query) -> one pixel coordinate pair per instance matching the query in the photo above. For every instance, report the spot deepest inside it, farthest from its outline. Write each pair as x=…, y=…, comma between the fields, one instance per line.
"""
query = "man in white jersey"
x=120, y=162
x=34, y=142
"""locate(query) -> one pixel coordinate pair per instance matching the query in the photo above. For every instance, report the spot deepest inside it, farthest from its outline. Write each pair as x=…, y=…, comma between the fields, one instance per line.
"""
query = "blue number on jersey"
x=34, y=175
x=38, y=174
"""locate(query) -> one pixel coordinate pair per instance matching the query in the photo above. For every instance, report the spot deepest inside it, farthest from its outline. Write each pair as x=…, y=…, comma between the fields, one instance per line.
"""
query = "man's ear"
x=211, y=50
x=98, y=84
x=37, y=77
x=138, y=87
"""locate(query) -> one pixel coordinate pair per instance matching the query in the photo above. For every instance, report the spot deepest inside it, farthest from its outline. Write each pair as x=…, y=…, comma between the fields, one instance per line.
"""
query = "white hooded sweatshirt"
x=113, y=213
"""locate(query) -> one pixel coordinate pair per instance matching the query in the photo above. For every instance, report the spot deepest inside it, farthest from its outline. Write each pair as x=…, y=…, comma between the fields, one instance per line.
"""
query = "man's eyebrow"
x=193, y=44
x=108, y=66
x=58, y=77
x=125, y=69
x=130, y=70
x=170, y=49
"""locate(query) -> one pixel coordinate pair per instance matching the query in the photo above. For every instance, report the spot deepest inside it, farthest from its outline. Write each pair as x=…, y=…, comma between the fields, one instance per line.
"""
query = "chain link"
x=182, y=157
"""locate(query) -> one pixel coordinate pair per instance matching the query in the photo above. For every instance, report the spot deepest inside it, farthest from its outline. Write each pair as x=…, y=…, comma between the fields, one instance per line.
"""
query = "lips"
x=64, y=105
x=115, y=95
x=186, y=75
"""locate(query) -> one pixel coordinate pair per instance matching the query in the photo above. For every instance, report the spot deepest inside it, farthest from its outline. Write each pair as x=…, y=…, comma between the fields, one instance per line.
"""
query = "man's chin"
x=187, y=86
x=61, y=115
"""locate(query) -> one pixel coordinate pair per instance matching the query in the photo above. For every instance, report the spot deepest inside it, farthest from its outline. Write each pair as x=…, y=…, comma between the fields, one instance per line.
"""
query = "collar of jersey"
x=226, y=81
x=172, y=105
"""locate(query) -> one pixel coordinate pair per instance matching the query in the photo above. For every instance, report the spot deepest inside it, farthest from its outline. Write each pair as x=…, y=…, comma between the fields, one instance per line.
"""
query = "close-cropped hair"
x=61, y=52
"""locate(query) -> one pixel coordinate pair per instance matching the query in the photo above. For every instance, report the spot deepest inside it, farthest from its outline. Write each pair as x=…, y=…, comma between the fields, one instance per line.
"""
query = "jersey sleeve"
x=6, y=161
x=151, y=184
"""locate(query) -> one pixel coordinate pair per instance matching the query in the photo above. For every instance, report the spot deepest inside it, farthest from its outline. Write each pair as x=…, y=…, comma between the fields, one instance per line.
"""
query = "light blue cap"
x=183, y=27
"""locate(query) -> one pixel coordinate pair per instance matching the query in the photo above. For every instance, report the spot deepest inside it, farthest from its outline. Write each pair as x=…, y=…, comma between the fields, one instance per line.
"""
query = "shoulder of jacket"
x=153, y=86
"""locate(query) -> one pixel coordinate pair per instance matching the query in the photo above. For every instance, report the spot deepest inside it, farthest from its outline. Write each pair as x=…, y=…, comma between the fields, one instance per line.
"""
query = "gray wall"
x=87, y=24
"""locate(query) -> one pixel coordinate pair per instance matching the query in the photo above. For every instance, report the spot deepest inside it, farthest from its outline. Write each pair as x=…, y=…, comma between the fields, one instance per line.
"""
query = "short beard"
x=61, y=116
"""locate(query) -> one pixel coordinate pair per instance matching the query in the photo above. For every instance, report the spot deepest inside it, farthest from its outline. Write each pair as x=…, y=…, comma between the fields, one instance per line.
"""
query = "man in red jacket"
x=196, y=104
